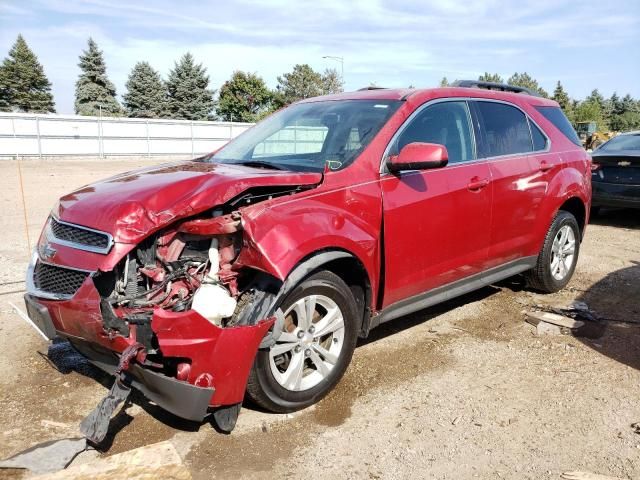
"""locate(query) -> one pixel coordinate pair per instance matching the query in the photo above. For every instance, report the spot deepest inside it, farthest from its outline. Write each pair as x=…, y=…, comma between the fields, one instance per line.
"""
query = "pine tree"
x=95, y=94
x=490, y=77
x=188, y=94
x=561, y=96
x=527, y=81
x=243, y=98
x=146, y=93
x=596, y=97
x=444, y=82
x=23, y=85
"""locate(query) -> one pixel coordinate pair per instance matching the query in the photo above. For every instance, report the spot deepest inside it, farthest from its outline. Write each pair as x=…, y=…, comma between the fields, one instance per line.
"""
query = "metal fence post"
x=148, y=143
x=15, y=138
x=99, y=140
x=191, y=128
x=38, y=132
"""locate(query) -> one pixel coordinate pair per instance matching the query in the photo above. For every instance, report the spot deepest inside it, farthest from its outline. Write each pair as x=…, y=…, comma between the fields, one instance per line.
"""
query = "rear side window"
x=539, y=140
x=560, y=121
x=505, y=130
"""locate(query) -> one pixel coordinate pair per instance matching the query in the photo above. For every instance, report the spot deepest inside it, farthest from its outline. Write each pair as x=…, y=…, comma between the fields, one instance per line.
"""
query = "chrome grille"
x=80, y=237
x=57, y=280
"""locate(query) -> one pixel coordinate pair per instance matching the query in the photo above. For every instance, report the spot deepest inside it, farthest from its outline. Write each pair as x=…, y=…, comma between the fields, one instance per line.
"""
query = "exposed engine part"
x=186, y=267
x=211, y=300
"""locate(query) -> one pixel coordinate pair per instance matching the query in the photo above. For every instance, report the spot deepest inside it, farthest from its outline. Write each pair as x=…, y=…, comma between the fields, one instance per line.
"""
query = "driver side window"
x=445, y=123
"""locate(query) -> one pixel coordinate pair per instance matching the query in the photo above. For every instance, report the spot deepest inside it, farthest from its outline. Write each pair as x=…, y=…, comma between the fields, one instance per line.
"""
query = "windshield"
x=622, y=142
x=308, y=136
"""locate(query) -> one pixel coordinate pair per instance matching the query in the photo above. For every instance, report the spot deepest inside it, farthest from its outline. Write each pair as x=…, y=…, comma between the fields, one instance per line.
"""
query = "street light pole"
x=341, y=60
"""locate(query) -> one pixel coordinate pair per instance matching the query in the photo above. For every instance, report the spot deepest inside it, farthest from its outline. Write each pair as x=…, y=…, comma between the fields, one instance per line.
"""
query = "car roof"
x=424, y=94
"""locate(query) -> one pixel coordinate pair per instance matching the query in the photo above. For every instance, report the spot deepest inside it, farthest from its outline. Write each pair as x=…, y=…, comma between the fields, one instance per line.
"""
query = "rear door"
x=436, y=222
x=519, y=171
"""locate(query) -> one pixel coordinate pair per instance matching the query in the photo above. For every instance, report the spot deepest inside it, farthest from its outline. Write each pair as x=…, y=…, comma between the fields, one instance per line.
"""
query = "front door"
x=436, y=222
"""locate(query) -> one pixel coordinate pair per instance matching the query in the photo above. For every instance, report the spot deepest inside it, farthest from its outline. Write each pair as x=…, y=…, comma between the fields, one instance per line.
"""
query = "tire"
x=275, y=383
x=552, y=271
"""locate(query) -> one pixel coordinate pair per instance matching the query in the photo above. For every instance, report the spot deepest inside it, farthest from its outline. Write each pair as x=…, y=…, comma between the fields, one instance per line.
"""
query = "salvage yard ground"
x=462, y=390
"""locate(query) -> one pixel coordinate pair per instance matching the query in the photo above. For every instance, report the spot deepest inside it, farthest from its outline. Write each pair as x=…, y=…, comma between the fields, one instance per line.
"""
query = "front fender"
x=280, y=236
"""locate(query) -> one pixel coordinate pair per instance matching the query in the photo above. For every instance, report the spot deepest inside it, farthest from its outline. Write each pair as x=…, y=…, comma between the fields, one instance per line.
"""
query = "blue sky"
x=584, y=44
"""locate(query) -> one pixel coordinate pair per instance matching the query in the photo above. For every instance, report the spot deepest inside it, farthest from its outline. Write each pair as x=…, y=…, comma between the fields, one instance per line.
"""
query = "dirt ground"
x=463, y=390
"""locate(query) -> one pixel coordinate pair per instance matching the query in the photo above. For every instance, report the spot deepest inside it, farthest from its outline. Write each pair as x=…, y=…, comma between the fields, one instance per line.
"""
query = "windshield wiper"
x=260, y=164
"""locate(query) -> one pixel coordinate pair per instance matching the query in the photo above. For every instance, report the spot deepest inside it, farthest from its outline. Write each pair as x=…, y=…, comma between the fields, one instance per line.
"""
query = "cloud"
x=388, y=42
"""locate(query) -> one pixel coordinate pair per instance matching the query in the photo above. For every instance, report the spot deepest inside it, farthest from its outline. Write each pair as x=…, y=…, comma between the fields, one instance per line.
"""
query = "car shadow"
x=615, y=299
x=617, y=217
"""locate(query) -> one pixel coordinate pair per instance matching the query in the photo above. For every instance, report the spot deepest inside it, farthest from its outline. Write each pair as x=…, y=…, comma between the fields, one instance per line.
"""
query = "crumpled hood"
x=133, y=205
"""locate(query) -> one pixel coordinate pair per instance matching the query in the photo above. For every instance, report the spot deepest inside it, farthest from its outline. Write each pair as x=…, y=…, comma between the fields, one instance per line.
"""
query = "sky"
x=584, y=44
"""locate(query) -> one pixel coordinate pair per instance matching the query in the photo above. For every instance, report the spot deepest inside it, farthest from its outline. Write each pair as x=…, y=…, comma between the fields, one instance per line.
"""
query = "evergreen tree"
x=627, y=104
x=331, y=82
x=302, y=82
x=23, y=85
x=243, y=98
x=561, y=96
x=187, y=89
x=615, y=104
x=444, y=82
x=527, y=81
x=596, y=97
x=490, y=77
x=146, y=93
x=95, y=94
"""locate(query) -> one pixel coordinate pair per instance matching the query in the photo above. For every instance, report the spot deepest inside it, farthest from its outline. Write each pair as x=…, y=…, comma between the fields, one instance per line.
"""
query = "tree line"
x=613, y=113
x=186, y=92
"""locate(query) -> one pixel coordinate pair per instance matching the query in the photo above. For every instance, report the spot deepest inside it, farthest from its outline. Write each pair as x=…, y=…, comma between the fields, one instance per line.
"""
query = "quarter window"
x=505, y=130
x=445, y=123
x=539, y=140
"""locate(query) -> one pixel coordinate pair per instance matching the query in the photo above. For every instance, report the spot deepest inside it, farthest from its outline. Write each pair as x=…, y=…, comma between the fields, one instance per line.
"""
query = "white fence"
x=29, y=135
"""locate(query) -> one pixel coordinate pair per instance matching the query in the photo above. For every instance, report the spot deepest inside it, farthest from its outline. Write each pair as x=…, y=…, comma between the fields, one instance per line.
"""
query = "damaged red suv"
x=254, y=270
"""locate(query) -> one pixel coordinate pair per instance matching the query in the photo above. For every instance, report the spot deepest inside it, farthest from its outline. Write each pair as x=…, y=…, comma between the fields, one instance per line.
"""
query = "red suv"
x=256, y=268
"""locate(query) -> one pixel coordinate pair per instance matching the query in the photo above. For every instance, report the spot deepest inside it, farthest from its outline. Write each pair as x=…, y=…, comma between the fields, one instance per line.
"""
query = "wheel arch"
x=576, y=207
x=345, y=265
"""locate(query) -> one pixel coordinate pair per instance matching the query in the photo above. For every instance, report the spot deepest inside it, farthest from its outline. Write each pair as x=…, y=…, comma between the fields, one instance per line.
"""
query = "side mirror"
x=419, y=156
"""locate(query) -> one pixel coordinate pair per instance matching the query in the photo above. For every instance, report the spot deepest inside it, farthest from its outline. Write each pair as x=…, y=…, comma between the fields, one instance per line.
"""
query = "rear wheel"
x=313, y=350
x=559, y=255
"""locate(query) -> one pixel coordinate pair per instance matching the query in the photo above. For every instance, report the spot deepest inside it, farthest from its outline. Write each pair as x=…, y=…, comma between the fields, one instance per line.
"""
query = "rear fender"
x=568, y=183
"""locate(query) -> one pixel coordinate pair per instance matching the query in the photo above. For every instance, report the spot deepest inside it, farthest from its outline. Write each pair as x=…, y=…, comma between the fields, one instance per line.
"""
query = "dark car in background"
x=615, y=172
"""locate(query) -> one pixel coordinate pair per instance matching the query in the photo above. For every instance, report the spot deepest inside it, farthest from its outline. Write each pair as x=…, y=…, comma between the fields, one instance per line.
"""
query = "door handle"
x=477, y=184
x=545, y=167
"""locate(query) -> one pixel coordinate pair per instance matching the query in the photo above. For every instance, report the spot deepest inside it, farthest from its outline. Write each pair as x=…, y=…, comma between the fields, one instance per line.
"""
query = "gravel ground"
x=462, y=390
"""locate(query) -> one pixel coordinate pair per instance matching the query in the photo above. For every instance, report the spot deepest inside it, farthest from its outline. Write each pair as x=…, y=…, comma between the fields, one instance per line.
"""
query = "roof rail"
x=371, y=87
x=503, y=87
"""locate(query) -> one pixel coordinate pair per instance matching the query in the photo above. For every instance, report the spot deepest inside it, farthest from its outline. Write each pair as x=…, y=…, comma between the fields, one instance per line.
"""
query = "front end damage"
x=177, y=317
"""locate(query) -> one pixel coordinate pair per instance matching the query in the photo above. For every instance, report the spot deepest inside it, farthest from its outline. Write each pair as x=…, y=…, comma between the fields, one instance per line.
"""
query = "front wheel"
x=313, y=350
x=559, y=255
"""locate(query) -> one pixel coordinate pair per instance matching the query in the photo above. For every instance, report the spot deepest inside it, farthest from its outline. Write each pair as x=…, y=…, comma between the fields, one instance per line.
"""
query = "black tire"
x=540, y=277
x=262, y=386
